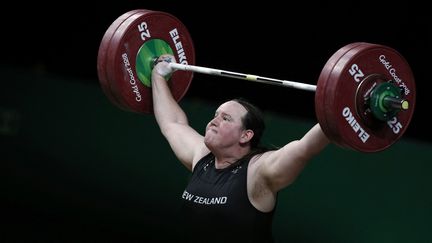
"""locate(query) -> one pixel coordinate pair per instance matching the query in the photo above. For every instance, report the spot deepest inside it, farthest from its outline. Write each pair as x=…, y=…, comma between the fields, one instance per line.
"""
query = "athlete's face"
x=226, y=128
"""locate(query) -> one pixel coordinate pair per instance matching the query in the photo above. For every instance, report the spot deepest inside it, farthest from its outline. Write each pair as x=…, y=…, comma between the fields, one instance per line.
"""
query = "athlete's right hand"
x=162, y=66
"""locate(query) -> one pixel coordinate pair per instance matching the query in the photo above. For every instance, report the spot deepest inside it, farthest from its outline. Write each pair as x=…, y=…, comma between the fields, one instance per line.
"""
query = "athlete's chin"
x=208, y=141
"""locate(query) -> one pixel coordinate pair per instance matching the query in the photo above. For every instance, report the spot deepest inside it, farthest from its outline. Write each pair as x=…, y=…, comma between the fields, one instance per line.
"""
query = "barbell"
x=364, y=97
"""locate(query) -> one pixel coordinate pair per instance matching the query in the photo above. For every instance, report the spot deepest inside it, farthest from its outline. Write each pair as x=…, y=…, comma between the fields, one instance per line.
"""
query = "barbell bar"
x=248, y=77
x=389, y=102
x=364, y=97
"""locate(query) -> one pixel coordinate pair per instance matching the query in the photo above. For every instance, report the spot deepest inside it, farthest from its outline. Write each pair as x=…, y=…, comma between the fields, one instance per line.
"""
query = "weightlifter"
x=232, y=192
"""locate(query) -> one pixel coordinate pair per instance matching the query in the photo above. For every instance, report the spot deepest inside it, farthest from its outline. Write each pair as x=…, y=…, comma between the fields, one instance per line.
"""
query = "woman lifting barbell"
x=234, y=185
x=364, y=100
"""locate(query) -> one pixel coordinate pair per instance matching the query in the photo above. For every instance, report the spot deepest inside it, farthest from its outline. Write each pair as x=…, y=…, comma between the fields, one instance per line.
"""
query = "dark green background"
x=75, y=168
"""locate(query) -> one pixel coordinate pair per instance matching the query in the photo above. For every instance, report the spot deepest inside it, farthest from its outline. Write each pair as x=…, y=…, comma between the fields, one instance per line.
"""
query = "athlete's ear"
x=246, y=136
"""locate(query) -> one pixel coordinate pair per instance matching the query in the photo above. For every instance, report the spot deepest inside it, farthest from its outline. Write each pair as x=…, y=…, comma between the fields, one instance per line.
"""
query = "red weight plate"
x=332, y=96
x=129, y=37
x=351, y=129
x=320, y=94
x=102, y=56
x=115, y=83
